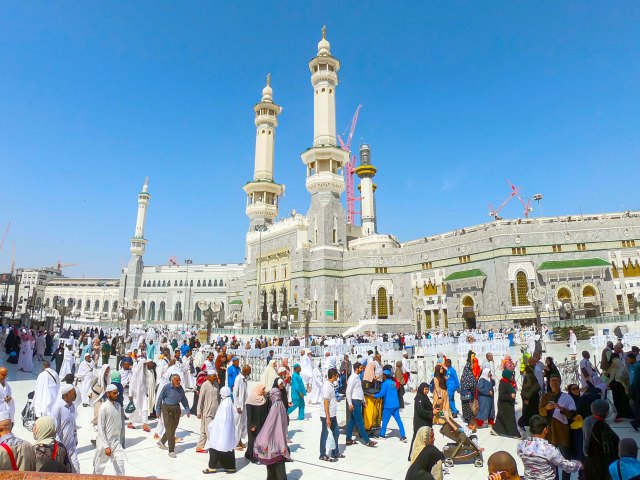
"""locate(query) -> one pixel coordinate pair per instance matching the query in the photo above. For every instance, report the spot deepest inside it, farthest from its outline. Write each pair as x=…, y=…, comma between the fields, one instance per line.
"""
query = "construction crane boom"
x=349, y=169
x=4, y=235
x=515, y=193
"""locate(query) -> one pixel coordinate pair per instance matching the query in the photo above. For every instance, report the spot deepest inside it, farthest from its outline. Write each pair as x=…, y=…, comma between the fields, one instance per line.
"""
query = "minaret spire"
x=263, y=192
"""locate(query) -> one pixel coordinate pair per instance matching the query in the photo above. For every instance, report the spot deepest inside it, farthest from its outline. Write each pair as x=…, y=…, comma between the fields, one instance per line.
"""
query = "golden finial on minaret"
x=324, y=32
x=268, y=79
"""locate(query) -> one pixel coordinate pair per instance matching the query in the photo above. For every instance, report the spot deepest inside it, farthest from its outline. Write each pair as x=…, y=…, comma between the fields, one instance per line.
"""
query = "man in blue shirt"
x=453, y=384
x=168, y=409
x=391, y=405
x=184, y=348
x=628, y=467
x=232, y=372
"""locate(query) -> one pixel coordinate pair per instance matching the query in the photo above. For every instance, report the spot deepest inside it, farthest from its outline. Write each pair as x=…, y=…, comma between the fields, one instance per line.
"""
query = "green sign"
x=328, y=313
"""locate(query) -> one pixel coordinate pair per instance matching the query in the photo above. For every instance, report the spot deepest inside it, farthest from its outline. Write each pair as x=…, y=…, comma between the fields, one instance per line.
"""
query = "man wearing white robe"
x=187, y=362
x=64, y=416
x=6, y=395
x=306, y=367
x=239, y=401
x=85, y=374
x=68, y=362
x=110, y=440
x=139, y=395
x=46, y=393
x=25, y=360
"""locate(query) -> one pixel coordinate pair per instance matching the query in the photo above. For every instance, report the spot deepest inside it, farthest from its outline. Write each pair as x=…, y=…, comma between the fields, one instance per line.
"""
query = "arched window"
x=522, y=288
x=115, y=306
x=96, y=306
x=161, y=312
x=105, y=307
x=589, y=291
x=87, y=305
x=164, y=283
x=152, y=311
x=209, y=282
x=215, y=283
x=198, y=283
x=181, y=283
x=175, y=283
x=177, y=313
x=154, y=283
x=383, y=306
x=197, y=313
x=467, y=302
x=220, y=284
x=191, y=283
x=564, y=294
x=144, y=283
x=141, y=312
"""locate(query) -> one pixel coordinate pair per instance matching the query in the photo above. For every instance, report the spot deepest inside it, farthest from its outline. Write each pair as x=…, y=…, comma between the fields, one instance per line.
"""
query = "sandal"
x=209, y=470
x=324, y=458
x=340, y=455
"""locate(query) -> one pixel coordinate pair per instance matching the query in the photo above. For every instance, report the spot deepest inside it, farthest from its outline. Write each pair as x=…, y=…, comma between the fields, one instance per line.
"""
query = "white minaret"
x=367, y=188
x=131, y=278
x=263, y=192
x=325, y=160
x=138, y=242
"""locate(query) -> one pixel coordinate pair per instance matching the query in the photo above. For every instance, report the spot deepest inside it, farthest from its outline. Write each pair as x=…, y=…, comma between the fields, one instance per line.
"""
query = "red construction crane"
x=515, y=193
x=173, y=262
x=61, y=265
x=349, y=169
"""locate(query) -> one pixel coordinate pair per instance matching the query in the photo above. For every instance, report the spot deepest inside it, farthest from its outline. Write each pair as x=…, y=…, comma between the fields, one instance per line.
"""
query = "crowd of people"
x=560, y=431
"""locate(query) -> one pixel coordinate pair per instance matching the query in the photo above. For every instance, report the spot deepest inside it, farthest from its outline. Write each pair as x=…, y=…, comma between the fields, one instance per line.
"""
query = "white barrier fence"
x=601, y=340
x=496, y=346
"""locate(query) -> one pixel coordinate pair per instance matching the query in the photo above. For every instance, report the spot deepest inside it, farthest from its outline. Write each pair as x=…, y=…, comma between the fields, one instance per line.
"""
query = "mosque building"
x=319, y=269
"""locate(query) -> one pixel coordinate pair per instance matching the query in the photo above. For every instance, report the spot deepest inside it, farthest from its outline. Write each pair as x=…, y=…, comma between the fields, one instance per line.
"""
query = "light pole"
x=129, y=312
x=187, y=294
x=306, y=305
x=259, y=228
x=62, y=310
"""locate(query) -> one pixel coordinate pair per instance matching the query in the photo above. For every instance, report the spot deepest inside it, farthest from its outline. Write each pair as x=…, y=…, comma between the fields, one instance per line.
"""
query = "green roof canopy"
x=568, y=264
x=465, y=274
x=235, y=302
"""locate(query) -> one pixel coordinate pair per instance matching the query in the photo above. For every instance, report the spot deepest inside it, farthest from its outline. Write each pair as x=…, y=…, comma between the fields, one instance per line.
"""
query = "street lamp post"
x=306, y=305
x=129, y=312
x=259, y=228
x=62, y=310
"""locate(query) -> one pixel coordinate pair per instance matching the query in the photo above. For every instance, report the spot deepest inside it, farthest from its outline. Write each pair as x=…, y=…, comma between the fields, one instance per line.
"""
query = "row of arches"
x=87, y=305
x=180, y=283
x=157, y=311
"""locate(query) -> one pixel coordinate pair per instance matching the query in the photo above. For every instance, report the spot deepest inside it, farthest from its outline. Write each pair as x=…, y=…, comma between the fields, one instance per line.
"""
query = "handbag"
x=130, y=408
x=331, y=442
x=466, y=395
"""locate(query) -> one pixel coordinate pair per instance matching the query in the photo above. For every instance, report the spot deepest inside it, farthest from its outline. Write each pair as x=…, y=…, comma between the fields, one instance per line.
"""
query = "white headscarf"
x=102, y=383
x=485, y=374
x=222, y=429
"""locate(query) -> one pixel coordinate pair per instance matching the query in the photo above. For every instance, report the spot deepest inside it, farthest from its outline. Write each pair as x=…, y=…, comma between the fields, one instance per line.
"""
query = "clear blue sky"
x=457, y=97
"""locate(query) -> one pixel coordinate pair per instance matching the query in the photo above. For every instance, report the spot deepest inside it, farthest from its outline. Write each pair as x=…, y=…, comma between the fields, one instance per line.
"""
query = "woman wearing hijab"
x=505, y=424
x=425, y=457
x=617, y=377
x=486, y=408
x=507, y=363
x=440, y=395
x=399, y=378
x=99, y=384
x=279, y=383
x=422, y=411
x=257, y=410
x=550, y=369
x=477, y=371
x=468, y=385
x=577, y=438
x=600, y=442
x=270, y=446
x=222, y=436
x=270, y=373
x=51, y=456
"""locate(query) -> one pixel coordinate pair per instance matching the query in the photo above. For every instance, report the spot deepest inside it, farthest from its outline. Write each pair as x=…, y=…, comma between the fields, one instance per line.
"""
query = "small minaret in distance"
x=367, y=188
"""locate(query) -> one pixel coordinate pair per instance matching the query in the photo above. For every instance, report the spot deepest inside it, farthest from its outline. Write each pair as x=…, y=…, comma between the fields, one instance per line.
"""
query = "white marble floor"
x=387, y=461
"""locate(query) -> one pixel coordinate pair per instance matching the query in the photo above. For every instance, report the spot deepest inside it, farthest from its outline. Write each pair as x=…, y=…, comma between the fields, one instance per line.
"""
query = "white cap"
x=211, y=372
x=282, y=369
x=65, y=388
x=5, y=412
x=110, y=388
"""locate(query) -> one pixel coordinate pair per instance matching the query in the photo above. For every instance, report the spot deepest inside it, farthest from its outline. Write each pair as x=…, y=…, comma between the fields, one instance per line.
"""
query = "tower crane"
x=349, y=169
x=515, y=193
x=61, y=265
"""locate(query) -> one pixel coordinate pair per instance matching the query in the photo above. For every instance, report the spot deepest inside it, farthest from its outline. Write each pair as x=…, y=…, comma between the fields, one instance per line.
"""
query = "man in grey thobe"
x=208, y=402
x=64, y=416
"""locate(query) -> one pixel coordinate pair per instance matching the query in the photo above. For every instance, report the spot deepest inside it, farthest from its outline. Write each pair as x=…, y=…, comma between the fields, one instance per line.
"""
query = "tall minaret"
x=366, y=172
x=325, y=160
x=132, y=276
x=263, y=192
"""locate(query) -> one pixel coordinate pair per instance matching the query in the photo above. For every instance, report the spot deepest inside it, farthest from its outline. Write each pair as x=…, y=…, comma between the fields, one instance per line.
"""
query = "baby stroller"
x=28, y=415
x=465, y=448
